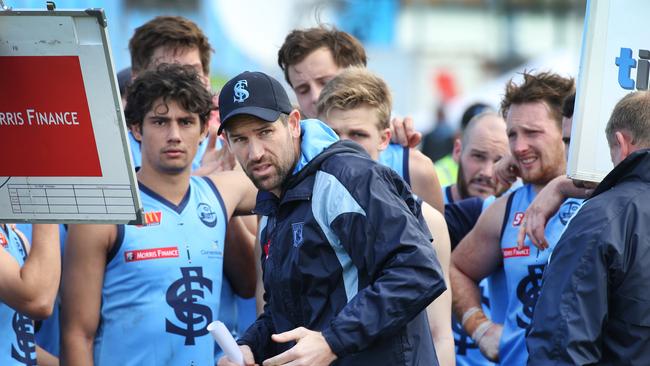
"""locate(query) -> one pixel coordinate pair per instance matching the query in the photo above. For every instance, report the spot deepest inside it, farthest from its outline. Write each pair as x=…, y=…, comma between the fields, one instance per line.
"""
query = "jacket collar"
x=299, y=186
x=635, y=166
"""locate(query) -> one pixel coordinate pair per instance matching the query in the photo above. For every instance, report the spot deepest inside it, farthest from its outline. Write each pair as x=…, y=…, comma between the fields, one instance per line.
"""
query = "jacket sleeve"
x=258, y=335
x=573, y=304
x=399, y=274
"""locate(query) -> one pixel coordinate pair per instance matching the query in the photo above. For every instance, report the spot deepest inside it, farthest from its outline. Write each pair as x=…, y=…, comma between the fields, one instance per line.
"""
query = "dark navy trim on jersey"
x=119, y=238
x=23, y=244
x=506, y=215
x=216, y=193
x=405, y=173
x=461, y=217
x=181, y=206
x=448, y=194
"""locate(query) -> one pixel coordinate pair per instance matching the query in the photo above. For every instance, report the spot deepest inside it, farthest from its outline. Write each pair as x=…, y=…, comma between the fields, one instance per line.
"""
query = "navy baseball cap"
x=255, y=94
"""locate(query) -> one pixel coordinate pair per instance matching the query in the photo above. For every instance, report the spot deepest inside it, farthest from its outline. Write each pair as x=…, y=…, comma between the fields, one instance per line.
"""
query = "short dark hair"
x=167, y=31
x=471, y=112
x=124, y=80
x=631, y=114
x=568, y=106
x=546, y=87
x=346, y=50
x=171, y=82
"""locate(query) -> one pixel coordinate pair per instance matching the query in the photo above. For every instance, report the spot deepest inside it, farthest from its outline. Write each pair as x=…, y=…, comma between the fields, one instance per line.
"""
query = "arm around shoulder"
x=237, y=190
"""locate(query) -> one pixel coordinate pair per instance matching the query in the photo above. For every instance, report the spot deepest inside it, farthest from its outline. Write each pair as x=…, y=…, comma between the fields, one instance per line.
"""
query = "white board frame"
x=21, y=198
x=609, y=25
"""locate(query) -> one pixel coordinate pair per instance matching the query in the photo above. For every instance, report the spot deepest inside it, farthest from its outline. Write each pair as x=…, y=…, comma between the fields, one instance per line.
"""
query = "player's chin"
x=479, y=190
x=175, y=167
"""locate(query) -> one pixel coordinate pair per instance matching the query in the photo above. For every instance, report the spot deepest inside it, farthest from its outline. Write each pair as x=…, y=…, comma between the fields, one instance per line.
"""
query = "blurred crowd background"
x=438, y=56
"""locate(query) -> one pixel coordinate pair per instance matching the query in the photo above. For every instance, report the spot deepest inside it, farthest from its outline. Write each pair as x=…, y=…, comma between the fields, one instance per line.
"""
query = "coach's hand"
x=311, y=349
x=249, y=360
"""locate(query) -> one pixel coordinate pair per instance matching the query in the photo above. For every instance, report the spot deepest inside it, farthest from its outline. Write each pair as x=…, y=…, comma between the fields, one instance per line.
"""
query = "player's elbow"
x=38, y=308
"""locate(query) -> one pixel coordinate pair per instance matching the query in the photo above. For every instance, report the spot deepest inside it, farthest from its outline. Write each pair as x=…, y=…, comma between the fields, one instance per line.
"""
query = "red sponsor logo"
x=3, y=240
x=153, y=253
x=519, y=217
x=152, y=218
x=47, y=109
x=515, y=252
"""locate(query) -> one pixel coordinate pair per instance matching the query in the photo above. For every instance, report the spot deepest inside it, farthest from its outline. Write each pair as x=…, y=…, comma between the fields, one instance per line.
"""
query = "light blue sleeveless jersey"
x=17, y=342
x=523, y=271
x=163, y=282
x=396, y=157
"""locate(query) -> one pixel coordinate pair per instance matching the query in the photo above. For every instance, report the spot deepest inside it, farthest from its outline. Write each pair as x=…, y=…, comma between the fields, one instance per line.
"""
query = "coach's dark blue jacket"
x=594, y=305
x=348, y=255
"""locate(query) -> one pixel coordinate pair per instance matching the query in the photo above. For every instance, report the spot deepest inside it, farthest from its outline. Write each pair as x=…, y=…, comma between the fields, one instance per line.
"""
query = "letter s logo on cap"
x=241, y=94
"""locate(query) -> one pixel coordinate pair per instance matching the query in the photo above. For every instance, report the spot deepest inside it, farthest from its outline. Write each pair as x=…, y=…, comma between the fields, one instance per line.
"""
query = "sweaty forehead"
x=534, y=115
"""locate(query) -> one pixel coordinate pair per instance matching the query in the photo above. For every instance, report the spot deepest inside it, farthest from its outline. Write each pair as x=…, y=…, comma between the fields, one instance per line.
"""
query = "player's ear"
x=294, y=123
x=458, y=148
x=136, y=130
x=384, y=138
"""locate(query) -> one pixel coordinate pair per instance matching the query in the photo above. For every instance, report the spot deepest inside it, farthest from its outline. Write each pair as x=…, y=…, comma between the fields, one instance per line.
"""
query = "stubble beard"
x=271, y=181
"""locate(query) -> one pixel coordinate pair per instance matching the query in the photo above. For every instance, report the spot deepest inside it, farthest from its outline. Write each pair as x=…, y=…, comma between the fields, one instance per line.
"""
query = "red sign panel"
x=45, y=126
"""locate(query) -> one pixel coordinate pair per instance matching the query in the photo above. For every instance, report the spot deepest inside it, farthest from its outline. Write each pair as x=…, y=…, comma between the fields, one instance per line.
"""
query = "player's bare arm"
x=424, y=179
x=239, y=258
x=477, y=256
x=237, y=190
x=31, y=289
x=439, y=312
x=87, y=247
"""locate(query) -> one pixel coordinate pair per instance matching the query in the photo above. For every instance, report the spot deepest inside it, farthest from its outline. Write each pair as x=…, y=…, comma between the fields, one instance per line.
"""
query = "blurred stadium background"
x=438, y=56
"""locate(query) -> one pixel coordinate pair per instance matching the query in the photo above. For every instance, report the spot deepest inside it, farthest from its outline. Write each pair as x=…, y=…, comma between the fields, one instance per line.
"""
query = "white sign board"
x=65, y=155
x=614, y=62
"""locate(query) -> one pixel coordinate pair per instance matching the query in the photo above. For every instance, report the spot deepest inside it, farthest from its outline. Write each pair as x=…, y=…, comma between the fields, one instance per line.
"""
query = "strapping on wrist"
x=472, y=318
x=480, y=331
x=468, y=314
